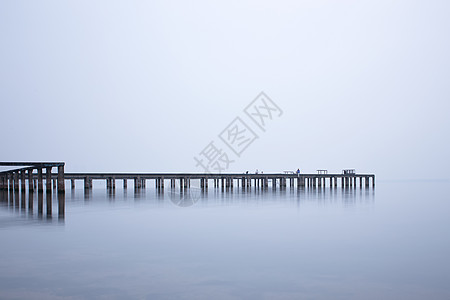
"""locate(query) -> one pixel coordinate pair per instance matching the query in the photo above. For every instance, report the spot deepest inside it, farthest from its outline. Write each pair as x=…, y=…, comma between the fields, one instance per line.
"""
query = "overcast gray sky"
x=147, y=85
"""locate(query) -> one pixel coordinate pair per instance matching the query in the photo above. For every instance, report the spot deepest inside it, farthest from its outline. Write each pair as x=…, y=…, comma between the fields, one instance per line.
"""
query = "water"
x=387, y=243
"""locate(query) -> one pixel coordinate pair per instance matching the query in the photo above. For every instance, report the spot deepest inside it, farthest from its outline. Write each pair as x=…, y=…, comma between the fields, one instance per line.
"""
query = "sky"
x=146, y=86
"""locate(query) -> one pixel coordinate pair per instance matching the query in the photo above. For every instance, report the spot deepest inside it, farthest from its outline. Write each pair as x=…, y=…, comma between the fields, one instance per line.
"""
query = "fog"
x=147, y=85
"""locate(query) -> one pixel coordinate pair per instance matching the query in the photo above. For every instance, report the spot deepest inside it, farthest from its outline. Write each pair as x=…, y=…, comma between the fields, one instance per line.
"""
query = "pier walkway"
x=31, y=174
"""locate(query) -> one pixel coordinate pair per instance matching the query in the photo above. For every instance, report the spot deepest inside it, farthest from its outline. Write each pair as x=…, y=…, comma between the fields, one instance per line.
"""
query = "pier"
x=31, y=175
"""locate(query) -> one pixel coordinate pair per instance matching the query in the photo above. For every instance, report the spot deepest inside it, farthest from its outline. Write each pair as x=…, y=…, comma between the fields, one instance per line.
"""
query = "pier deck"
x=32, y=173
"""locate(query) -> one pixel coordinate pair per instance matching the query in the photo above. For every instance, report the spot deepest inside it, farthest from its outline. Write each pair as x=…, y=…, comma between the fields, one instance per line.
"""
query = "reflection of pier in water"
x=22, y=189
x=33, y=204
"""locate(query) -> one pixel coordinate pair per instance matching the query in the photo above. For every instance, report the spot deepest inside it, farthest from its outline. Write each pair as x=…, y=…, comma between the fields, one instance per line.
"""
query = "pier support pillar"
x=72, y=184
x=373, y=181
x=125, y=183
x=11, y=182
x=22, y=180
x=30, y=180
x=40, y=180
x=48, y=178
x=367, y=181
x=61, y=185
x=16, y=181
x=137, y=183
x=86, y=183
x=300, y=181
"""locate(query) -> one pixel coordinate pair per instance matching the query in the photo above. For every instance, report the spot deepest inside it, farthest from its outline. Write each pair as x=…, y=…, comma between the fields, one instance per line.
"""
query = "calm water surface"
x=391, y=242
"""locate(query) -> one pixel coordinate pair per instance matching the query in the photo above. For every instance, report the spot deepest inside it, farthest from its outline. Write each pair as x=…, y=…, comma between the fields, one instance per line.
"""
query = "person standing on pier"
x=298, y=172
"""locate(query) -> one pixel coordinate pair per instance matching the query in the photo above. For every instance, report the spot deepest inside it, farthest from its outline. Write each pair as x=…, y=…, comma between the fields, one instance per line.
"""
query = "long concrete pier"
x=31, y=174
